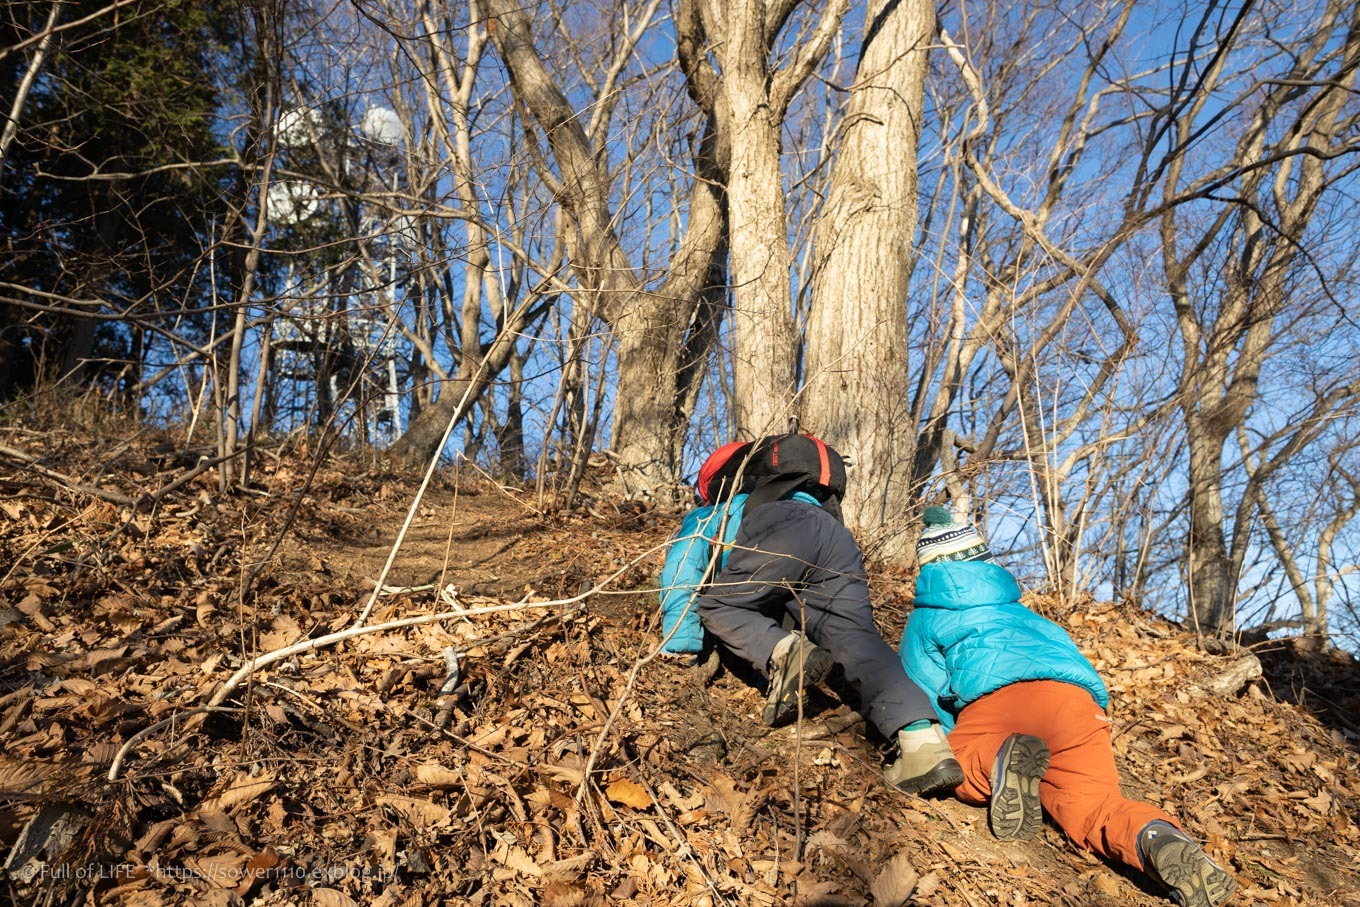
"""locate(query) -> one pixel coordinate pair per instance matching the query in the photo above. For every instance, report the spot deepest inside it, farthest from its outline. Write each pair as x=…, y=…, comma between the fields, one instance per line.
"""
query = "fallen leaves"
x=558, y=779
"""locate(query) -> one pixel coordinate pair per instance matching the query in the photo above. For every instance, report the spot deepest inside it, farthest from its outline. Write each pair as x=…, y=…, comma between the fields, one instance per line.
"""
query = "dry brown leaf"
x=510, y=855
x=244, y=788
x=569, y=774
x=20, y=777
x=681, y=801
x=420, y=813
x=283, y=631
x=80, y=686
x=746, y=810
x=571, y=867
x=558, y=893
x=101, y=753
x=895, y=882
x=1106, y=885
x=541, y=798
x=155, y=835
x=827, y=841
x=629, y=793
x=222, y=867
x=491, y=736
x=722, y=794
x=436, y=775
x=32, y=606
x=216, y=819
x=329, y=897
x=384, y=846
x=1320, y=804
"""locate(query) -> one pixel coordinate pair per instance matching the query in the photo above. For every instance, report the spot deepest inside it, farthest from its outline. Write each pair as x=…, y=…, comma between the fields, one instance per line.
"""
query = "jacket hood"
x=959, y=585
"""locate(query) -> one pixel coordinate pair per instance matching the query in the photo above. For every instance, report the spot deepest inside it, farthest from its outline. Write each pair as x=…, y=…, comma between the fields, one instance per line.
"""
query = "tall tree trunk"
x=1213, y=582
x=762, y=318
x=856, y=392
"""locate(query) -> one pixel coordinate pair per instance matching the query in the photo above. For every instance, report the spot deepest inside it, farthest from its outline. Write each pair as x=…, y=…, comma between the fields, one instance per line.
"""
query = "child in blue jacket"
x=1025, y=713
x=773, y=544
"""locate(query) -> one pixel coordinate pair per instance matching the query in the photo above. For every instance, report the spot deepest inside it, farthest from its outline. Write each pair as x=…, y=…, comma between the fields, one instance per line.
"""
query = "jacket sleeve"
x=683, y=574
x=924, y=662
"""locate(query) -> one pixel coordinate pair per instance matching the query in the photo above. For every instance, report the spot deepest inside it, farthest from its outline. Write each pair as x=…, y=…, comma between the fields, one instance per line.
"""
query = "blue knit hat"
x=947, y=539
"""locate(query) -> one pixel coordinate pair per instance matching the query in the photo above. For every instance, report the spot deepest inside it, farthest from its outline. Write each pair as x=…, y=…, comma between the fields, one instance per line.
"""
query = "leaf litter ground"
x=556, y=765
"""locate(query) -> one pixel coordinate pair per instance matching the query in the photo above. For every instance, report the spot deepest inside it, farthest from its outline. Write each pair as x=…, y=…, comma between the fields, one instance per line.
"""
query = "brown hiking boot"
x=797, y=663
x=925, y=763
x=1170, y=857
x=1014, y=811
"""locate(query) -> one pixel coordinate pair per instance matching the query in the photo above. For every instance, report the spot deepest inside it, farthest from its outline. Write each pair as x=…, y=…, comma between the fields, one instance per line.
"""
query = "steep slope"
x=557, y=765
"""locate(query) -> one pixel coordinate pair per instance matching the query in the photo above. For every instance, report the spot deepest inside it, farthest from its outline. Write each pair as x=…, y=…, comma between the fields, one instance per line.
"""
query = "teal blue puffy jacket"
x=969, y=636
x=686, y=564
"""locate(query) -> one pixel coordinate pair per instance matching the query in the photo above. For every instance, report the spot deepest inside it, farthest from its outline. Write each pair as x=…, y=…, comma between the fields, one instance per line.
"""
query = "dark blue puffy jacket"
x=687, y=562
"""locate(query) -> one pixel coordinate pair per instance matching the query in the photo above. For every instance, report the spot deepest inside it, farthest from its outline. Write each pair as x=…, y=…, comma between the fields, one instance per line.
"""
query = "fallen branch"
x=446, y=697
x=319, y=642
x=1231, y=678
x=31, y=463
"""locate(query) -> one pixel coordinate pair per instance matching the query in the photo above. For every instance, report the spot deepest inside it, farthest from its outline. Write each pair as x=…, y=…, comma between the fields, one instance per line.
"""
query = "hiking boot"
x=925, y=763
x=1170, y=857
x=795, y=664
x=1014, y=811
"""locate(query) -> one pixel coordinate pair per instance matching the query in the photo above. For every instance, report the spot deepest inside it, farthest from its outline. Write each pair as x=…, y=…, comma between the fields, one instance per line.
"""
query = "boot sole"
x=782, y=703
x=1194, y=879
x=1014, y=811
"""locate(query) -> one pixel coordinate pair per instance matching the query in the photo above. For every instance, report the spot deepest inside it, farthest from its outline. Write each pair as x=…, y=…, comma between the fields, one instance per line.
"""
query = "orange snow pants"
x=1080, y=791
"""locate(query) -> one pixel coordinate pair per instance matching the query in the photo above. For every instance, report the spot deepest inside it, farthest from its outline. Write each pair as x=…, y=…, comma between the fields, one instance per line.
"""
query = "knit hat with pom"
x=946, y=539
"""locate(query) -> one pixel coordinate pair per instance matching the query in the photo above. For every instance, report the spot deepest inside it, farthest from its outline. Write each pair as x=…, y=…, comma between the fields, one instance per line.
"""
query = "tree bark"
x=856, y=392
x=762, y=318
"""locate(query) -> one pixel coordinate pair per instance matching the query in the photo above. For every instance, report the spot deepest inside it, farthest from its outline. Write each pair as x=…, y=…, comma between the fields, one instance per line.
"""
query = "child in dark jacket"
x=777, y=546
x=1025, y=713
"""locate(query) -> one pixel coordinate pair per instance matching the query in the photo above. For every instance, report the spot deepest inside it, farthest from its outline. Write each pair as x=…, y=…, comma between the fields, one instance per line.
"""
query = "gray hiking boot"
x=795, y=664
x=1014, y=811
x=1170, y=857
x=925, y=763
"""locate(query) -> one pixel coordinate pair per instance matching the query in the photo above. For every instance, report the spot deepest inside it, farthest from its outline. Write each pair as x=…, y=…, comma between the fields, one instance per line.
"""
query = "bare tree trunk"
x=762, y=315
x=856, y=392
x=1281, y=171
x=727, y=53
x=245, y=278
x=1213, y=582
